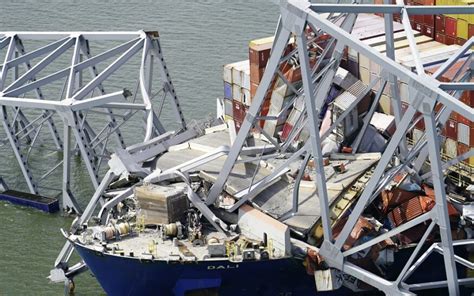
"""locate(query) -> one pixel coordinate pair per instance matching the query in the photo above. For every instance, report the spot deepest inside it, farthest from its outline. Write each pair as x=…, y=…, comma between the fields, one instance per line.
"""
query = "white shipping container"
x=374, y=68
x=246, y=79
x=299, y=103
x=385, y=104
x=417, y=134
x=431, y=57
x=364, y=62
x=353, y=55
x=228, y=73
x=364, y=75
x=450, y=148
x=236, y=92
x=237, y=72
x=280, y=96
x=256, y=225
x=374, y=76
x=228, y=108
x=402, y=52
x=463, y=134
x=403, y=91
x=384, y=123
x=271, y=127
x=246, y=97
x=403, y=43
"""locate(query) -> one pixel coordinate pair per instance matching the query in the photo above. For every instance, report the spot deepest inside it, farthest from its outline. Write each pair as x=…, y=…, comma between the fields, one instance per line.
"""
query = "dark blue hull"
x=45, y=204
x=286, y=277
x=131, y=276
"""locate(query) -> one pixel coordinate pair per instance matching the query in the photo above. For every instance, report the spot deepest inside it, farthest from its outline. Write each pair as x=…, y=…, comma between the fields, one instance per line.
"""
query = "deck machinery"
x=51, y=77
x=416, y=161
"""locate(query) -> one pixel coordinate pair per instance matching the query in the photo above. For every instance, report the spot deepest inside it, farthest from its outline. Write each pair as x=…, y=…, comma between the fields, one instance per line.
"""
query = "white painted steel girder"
x=295, y=16
x=24, y=71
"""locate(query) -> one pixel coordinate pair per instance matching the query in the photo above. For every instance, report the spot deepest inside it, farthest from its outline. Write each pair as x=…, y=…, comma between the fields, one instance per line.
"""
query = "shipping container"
x=450, y=148
x=237, y=93
x=403, y=43
x=439, y=24
x=227, y=90
x=239, y=111
x=228, y=73
x=468, y=98
x=450, y=40
x=462, y=119
x=464, y=134
x=429, y=20
x=238, y=70
x=256, y=73
x=259, y=51
x=451, y=130
x=430, y=57
x=451, y=27
x=460, y=41
x=440, y=37
x=417, y=134
x=429, y=31
x=462, y=29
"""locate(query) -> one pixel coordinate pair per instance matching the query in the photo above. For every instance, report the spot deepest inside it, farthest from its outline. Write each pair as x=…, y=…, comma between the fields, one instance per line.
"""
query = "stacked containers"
x=259, y=53
x=459, y=131
x=236, y=89
x=453, y=28
x=444, y=28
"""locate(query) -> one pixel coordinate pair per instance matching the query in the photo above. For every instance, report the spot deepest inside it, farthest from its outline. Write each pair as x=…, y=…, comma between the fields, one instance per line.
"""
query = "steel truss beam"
x=78, y=98
x=296, y=16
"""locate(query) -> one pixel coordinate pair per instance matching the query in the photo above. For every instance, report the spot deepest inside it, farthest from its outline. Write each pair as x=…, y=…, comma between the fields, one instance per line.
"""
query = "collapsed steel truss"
x=296, y=16
x=425, y=93
x=24, y=76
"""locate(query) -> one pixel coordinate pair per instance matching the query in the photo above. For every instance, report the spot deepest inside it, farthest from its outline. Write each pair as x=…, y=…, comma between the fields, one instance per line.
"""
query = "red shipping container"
x=397, y=18
x=460, y=41
x=439, y=37
x=464, y=120
x=428, y=31
x=468, y=98
x=239, y=111
x=429, y=20
x=426, y=2
x=439, y=23
x=264, y=111
x=451, y=27
x=420, y=124
x=451, y=129
x=418, y=26
x=259, y=57
x=450, y=40
x=471, y=136
x=470, y=30
x=256, y=73
x=253, y=89
x=286, y=131
x=237, y=125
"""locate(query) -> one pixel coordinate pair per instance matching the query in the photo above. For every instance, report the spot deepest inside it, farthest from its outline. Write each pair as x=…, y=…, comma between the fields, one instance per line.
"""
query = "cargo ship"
x=328, y=170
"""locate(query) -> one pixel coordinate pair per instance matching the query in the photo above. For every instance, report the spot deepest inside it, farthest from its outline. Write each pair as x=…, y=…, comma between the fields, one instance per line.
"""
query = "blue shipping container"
x=227, y=91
